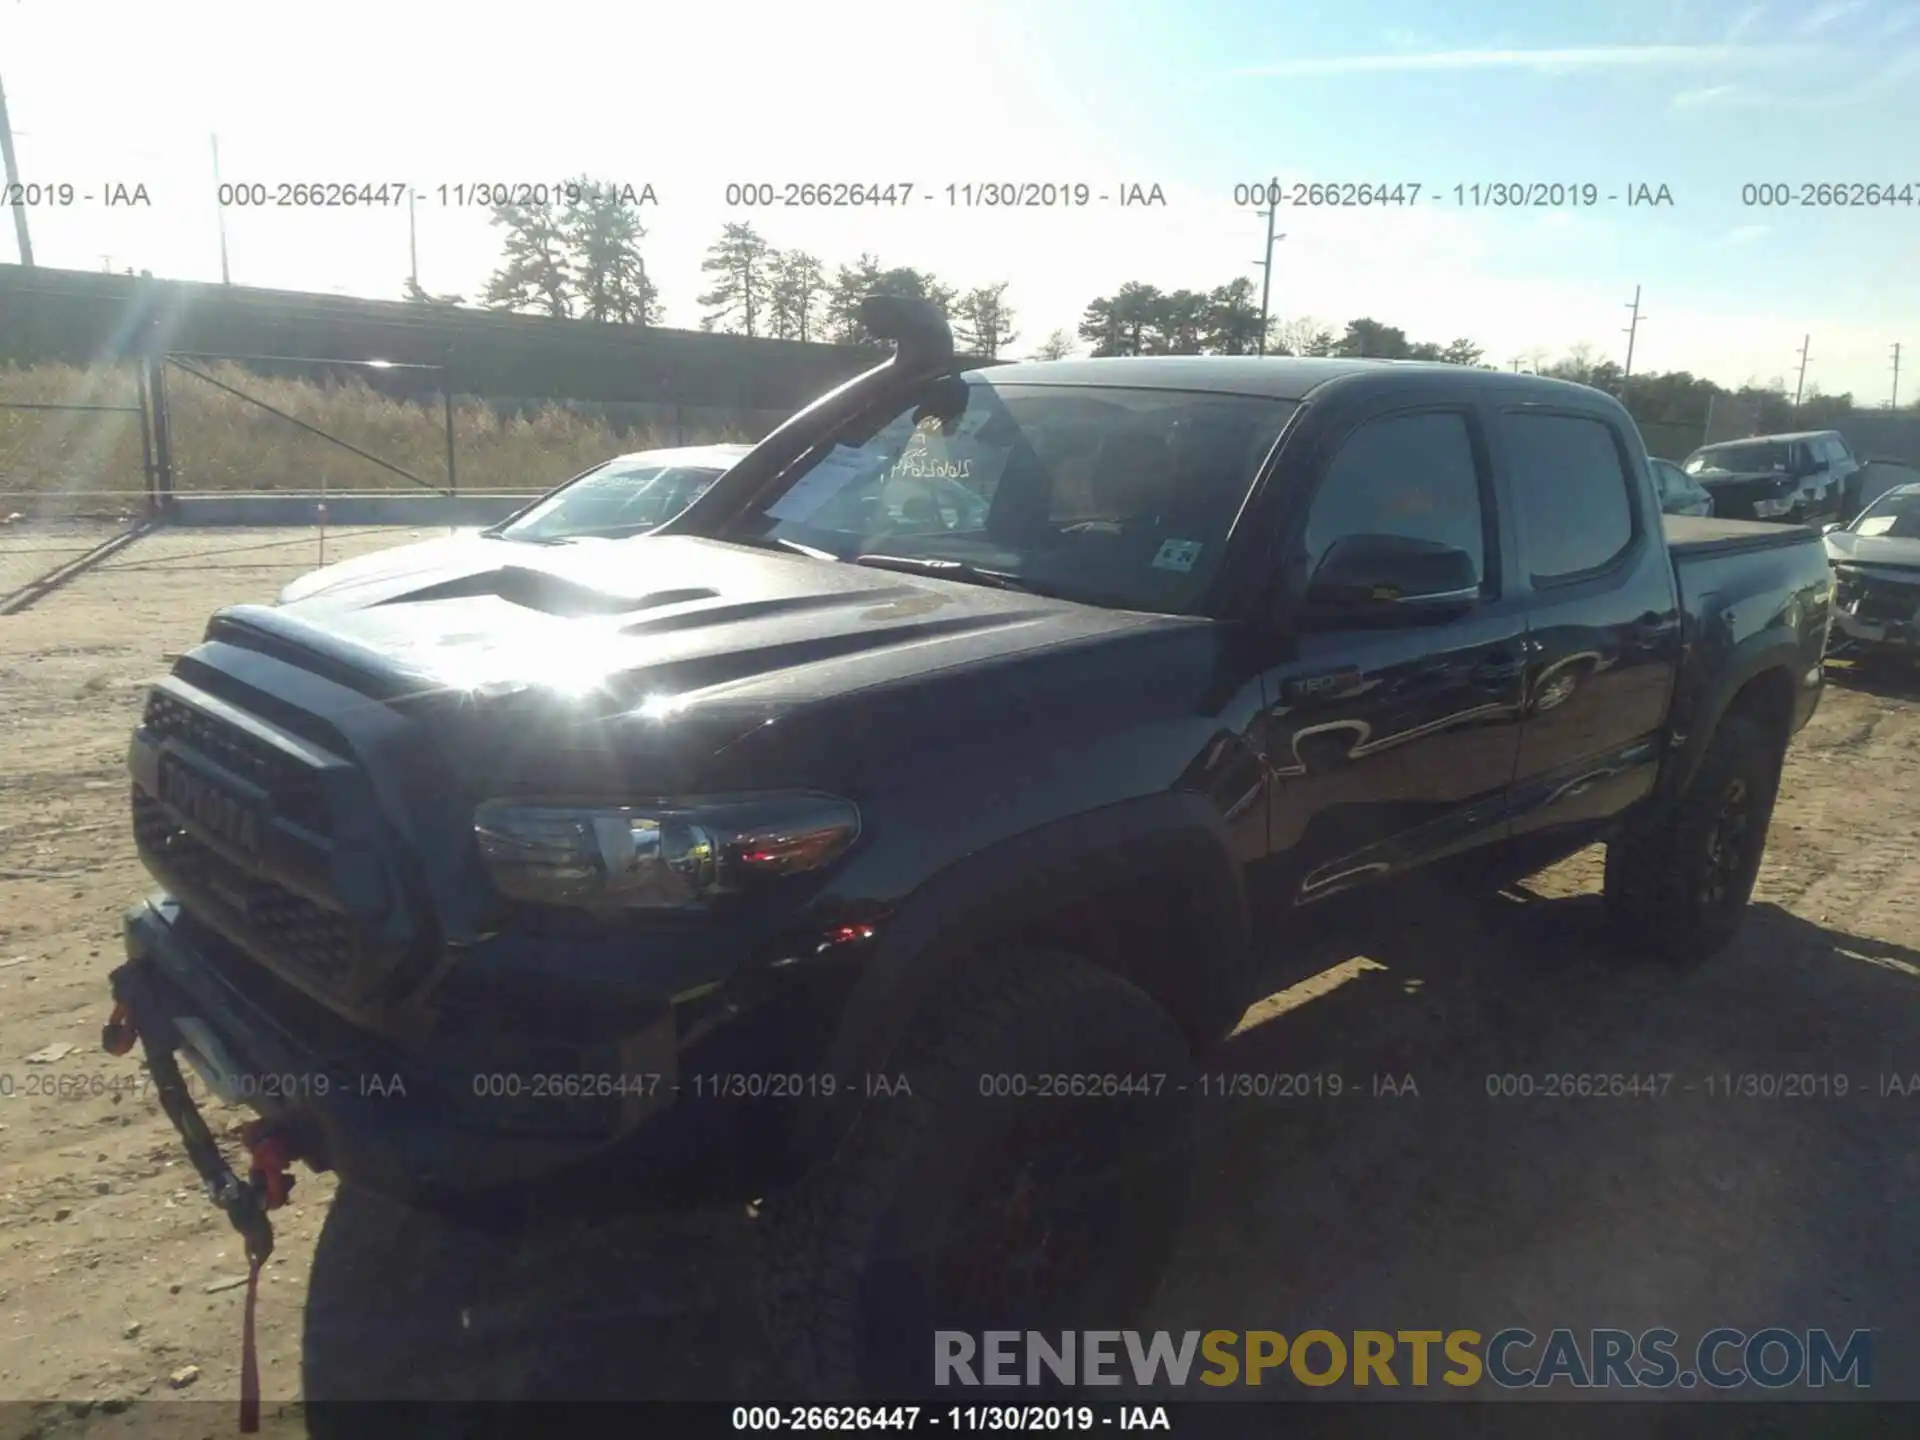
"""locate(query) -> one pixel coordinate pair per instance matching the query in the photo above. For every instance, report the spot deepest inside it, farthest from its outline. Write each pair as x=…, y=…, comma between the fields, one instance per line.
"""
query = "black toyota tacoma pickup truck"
x=889, y=861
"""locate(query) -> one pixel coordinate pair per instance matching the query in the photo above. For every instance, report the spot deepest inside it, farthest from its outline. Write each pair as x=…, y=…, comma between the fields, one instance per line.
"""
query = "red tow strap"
x=249, y=1360
x=270, y=1154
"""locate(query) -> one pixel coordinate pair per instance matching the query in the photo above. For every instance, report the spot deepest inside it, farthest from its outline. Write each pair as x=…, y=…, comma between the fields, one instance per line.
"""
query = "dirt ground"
x=1444, y=1209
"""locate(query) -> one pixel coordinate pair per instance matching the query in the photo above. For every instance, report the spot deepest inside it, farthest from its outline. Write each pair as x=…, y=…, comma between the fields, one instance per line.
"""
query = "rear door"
x=1818, y=492
x=1845, y=468
x=1390, y=746
x=1603, y=616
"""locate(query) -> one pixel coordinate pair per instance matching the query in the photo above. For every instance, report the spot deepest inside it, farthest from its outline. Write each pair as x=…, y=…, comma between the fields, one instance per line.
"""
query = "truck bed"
x=1689, y=535
x=1741, y=581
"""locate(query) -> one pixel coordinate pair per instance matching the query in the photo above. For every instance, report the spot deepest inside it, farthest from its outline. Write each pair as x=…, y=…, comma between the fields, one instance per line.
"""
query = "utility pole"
x=413, y=244
x=1893, y=401
x=220, y=211
x=1266, y=261
x=13, y=183
x=1800, y=385
x=1633, y=333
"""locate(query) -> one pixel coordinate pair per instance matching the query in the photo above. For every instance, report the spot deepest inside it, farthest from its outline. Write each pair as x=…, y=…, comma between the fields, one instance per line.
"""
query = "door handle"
x=1650, y=628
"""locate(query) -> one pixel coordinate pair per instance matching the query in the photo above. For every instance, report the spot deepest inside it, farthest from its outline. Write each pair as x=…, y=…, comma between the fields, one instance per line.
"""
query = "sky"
x=1700, y=97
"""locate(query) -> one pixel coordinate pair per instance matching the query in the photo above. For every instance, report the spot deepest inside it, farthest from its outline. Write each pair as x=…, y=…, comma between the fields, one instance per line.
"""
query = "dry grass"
x=63, y=462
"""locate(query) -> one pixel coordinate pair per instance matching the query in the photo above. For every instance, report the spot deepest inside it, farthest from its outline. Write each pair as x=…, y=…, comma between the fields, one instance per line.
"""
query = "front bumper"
x=1892, y=634
x=426, y=1134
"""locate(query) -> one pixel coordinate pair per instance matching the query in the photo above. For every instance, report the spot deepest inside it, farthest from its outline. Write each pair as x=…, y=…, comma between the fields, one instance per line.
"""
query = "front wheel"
x=1031, y=1180
x=1680, y=883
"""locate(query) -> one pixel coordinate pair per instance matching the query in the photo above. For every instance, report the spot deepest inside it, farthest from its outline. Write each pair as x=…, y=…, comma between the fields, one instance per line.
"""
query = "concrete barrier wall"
x=412, y=510
x=82, y=317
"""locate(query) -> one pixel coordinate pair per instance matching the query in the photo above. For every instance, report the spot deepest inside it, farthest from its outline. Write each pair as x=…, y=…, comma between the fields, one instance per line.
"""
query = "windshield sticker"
x=1177, y=555
x=838, y=469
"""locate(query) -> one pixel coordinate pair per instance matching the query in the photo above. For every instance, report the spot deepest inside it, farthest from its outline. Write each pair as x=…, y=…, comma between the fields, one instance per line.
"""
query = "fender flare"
x=1173, y=838
x=1770, y=649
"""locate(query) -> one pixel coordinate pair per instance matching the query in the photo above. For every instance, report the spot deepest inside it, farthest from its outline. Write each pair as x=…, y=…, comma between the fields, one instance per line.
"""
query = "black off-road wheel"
x=1679, y=884
x=1033, y=1180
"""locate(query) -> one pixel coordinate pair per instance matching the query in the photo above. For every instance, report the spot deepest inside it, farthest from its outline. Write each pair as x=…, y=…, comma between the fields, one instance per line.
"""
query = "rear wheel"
x=1680, y=882
x=1032, y=1180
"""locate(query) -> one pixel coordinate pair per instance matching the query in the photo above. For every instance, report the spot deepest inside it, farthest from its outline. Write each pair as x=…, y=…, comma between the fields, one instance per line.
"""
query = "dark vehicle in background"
x=1680, y=493
x=1793, y=478
x=898, y=873
x=1876, y=569
x=622, y=497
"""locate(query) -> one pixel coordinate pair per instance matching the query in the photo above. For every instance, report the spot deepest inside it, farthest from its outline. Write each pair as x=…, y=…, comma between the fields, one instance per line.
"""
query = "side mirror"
x=1831, y=526
x=1378, y=576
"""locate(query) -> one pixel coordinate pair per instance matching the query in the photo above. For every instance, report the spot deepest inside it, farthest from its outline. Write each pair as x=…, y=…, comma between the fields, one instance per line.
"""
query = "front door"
x=1389, y=747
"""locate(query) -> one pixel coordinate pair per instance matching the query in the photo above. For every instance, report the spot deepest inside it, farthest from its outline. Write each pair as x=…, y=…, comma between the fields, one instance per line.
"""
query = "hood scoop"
x=882, y=604
x=547, y=593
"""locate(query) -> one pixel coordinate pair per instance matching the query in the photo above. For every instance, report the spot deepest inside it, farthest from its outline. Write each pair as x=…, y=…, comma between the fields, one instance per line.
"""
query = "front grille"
x=294, y=787
x=1884, y=602
x=318, y=941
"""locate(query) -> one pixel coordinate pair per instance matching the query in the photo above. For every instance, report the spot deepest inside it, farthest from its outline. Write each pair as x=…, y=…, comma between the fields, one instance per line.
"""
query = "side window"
x=1406, y=475
x=1572, y=492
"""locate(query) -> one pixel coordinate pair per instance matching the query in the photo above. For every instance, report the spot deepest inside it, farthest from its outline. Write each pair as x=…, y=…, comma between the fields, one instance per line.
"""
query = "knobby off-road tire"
x=954, y=1209
x=1679, y=884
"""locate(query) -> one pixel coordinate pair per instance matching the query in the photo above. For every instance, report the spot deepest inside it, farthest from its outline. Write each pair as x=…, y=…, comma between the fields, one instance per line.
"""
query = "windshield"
x=1110, y=496
x=1892, y=517
x=1736, y=459
x=614, y=499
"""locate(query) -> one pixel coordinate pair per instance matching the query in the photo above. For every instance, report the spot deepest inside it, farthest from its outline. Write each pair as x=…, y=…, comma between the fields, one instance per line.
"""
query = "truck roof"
x=1785, y=435
x=1278, y=377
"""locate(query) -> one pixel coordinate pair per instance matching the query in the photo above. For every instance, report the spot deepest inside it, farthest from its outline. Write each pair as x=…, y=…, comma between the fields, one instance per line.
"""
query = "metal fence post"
x=147, y=475
x=162, y=431
x=446, y=386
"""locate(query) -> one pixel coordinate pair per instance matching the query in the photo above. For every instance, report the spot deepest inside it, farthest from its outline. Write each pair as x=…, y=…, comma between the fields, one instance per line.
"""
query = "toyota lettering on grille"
x=208, y=806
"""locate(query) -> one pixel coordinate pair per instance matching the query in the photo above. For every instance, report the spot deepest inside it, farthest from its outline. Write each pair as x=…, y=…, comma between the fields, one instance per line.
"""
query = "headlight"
x=668, y=854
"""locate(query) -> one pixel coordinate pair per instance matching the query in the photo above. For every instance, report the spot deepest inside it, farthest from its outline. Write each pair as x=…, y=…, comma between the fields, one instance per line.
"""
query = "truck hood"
x=1893, y=554
x=659, y=624
x=421, y=557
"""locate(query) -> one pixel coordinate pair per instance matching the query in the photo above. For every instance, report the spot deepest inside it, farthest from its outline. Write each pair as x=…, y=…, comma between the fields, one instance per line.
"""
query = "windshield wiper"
x=610, y=532
x=946, y=570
